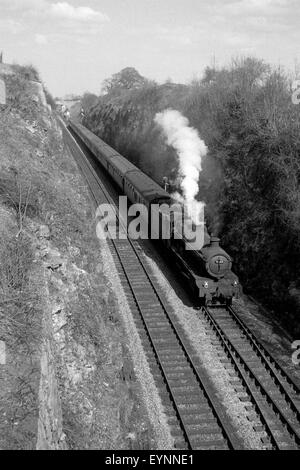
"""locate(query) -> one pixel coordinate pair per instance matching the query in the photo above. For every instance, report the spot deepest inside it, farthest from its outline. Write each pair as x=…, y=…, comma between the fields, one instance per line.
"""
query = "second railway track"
x=271, y=391
x=196, y=417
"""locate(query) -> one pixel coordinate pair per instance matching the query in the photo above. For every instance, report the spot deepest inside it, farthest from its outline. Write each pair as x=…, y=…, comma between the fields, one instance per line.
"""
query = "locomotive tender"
x=207, y=271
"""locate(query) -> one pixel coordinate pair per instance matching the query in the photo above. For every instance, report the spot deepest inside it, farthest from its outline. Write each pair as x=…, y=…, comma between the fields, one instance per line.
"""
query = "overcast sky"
x=77, y=43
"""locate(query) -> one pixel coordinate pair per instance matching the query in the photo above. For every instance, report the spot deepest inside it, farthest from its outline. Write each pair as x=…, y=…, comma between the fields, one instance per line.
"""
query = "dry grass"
x=25, y=201
x=21, y=330
x=20, y=321
x=40, y=185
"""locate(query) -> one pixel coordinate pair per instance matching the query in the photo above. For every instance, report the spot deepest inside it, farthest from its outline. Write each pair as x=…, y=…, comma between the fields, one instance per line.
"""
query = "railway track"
x=196, y=417
x=271, y=393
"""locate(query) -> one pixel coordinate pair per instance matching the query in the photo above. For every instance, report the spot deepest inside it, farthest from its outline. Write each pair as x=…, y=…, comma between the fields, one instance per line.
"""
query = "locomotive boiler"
x=208, y=271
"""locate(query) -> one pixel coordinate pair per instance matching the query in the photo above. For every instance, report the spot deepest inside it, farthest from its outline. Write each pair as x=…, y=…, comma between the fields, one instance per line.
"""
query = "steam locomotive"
x=208, y=270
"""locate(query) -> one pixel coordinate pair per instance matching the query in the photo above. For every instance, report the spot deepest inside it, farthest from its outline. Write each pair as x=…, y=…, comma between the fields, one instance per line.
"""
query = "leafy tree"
x=209, y=75
x=88, y=100
x=127, y=79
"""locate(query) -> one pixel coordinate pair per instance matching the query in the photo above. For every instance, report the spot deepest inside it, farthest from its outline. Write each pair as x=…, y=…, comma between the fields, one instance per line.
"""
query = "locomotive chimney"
x=166, y=183
x=214, y=241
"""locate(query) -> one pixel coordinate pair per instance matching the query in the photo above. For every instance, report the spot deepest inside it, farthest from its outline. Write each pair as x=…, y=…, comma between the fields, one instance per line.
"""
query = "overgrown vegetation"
x=251, y=176
x=28, y=72
x=19, y=93
x=33, y=180
x=19, y=97
x=20, y=329
x=57, y=314
x=20, y=304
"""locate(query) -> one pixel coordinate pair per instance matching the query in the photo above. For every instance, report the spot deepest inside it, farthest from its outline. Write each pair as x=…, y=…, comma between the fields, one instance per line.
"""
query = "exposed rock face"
x=38, y=93
x=50, y=431
x=78, y=397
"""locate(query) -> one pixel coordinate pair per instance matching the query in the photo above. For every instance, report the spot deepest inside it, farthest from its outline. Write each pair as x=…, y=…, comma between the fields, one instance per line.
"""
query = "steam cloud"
x=190, y=150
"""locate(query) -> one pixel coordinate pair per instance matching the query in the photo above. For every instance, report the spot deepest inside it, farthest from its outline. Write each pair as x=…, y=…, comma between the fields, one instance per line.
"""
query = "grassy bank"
x=62, y=385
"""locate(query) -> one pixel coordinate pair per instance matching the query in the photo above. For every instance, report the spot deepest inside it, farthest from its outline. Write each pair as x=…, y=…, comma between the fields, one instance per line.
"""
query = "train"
x=208, y=271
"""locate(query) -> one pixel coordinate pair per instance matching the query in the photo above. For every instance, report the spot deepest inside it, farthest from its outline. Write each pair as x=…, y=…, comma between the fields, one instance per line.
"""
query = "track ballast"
x=196, y=417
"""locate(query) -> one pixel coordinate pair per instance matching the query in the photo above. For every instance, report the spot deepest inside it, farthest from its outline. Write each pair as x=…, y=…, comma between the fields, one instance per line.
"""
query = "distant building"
x=1, y=58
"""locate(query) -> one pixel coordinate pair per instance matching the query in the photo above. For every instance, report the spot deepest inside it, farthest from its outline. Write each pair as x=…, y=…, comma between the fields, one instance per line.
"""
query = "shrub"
x=19, y=98
x=28, y=72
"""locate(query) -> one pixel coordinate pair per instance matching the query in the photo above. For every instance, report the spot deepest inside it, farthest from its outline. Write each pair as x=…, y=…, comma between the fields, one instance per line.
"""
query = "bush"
x=27, y=72
x=19, y=98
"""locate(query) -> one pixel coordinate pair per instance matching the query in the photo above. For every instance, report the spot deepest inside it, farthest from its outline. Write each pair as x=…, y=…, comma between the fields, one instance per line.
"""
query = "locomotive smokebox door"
x=218, y=262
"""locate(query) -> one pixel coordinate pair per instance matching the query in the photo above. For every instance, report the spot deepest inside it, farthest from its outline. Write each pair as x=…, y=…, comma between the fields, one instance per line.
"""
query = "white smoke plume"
x=190, y=149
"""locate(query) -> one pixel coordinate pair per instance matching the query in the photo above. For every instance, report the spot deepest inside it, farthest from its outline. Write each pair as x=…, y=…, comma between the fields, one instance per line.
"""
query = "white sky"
x=76, y=44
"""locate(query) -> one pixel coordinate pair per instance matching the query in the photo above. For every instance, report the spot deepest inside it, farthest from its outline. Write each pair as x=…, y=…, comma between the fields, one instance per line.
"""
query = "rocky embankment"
x=66, y=377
